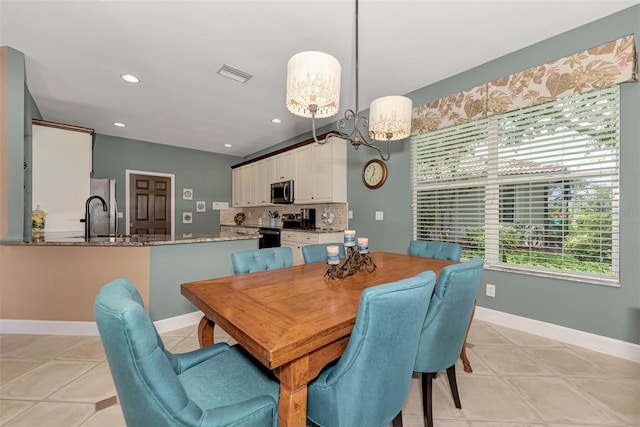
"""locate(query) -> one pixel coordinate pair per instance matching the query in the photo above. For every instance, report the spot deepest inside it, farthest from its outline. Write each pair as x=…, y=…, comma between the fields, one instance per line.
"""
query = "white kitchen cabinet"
x=235, y=188
x=259, y=186
x=321, y=173
x=61, y=165
x=241, y=185
x=289, y=239
x=284, y=166
x=303, y=183
x=297, y=239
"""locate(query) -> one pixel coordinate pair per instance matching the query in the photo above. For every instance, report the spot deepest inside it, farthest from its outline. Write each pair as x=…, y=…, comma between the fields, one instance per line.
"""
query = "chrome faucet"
x=87, y=215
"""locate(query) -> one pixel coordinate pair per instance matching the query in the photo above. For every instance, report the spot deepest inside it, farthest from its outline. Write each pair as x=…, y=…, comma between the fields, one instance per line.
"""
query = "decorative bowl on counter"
x=239, y=218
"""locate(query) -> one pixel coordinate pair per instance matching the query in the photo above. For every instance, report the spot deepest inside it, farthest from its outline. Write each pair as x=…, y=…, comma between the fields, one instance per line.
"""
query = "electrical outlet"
x=350, y=214
x=119, y=215
x=491, y=290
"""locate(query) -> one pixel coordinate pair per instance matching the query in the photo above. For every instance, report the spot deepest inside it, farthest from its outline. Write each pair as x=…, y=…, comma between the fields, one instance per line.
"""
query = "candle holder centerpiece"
x=357, y=257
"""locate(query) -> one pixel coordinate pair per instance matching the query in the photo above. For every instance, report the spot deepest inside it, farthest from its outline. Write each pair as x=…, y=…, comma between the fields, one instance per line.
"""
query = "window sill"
x=531, y=271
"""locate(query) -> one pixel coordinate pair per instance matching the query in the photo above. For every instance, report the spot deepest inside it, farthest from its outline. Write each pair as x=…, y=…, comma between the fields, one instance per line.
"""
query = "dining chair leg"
x=397, y=421
x=451, y=373
x=427, y=383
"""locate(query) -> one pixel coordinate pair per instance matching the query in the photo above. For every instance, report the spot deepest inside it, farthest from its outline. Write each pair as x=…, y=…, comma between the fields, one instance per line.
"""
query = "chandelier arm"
x=342, y=124
x=313, y=131
x=382, y=156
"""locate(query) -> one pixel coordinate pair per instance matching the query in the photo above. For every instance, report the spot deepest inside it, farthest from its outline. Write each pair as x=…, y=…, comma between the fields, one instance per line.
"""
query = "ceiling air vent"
x=234, y=74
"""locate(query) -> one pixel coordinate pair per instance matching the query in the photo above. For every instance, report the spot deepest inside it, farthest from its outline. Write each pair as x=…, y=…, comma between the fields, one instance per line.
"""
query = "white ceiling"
x=76, y=51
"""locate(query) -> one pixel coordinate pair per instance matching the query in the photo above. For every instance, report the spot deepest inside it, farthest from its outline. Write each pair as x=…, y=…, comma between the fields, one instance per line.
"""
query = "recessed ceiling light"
x=130, y=78
x=120, y=125
x=276, y=121
x=227, y=145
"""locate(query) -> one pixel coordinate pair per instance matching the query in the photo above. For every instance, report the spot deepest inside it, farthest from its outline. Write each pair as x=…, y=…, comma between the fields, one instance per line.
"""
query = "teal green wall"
x=208, y=174
x=21, y=109
x=16, y=119
x=172, y=265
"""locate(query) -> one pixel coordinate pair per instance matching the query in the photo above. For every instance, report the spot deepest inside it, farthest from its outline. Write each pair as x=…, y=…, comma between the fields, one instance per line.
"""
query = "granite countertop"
x=76, y=239
x=305, y=230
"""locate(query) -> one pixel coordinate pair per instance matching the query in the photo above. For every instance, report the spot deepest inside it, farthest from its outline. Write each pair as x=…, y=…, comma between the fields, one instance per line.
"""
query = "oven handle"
x=273, y=232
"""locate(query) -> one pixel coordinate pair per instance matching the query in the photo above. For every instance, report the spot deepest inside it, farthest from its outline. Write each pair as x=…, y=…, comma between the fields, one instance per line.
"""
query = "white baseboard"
x=47, y=327
x=610, y=346
x=51, y=327
x=606, y=345
x=178, y=322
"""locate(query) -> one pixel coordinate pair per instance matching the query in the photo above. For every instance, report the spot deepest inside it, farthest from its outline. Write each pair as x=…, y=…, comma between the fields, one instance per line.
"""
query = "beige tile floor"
x=518, y=380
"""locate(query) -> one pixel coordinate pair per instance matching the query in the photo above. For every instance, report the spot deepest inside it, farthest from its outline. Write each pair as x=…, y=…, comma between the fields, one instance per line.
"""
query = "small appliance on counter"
x=307, y=218
x=290, y=220
x=103, y=223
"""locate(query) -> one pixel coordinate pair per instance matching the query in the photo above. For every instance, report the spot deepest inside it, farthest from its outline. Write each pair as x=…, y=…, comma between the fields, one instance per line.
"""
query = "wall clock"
x=374, y=173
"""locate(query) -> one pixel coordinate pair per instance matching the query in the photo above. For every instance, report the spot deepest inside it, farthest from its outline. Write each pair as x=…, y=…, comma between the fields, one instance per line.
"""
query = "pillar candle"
x=333, y=255
x=349, y=237
x=363, y=245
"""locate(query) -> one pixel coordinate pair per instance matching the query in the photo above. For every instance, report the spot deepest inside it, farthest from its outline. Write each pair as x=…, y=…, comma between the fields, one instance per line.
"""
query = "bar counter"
x=76, y=239
x=55, y=278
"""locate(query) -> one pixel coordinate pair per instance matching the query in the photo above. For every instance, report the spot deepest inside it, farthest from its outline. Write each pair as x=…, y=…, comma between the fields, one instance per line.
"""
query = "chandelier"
x=313, y=90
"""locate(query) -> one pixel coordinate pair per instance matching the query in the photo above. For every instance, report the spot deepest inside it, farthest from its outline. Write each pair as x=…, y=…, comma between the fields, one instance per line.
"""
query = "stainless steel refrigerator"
x=103, y=223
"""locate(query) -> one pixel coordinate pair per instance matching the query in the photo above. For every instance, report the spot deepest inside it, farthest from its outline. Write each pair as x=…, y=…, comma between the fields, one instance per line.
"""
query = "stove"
x=269, y=237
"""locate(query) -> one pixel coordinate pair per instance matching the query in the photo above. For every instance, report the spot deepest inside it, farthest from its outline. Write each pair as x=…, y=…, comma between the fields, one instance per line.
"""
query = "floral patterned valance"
x=605, y=65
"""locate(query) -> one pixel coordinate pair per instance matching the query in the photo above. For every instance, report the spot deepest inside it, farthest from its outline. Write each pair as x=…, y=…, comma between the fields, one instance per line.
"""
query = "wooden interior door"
x=149, y=204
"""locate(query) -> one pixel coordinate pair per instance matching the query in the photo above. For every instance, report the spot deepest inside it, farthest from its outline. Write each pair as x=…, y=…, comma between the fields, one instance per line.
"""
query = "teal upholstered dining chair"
x=254, y=260
x=213, y=386
x=445, y=328
x=432, y=249
x=369, y=384
x=318, y=252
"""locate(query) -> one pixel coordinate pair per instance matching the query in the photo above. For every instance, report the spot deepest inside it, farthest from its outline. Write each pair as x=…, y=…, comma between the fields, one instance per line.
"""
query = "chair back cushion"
x=431, y=249
x=318, y=252
x=370, y=382
x=148, y=388
x=448, y=317
x=261, y=259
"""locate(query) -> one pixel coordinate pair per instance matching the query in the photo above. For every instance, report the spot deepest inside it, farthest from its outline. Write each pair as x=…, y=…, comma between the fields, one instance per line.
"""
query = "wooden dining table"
x=294, y=320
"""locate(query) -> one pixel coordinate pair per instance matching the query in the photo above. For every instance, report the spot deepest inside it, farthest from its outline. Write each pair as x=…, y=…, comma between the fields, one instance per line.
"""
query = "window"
x=533, y=190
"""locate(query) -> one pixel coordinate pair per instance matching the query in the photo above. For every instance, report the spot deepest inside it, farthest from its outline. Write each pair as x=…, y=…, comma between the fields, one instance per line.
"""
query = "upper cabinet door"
x=61, y=173
x=284, y=166
x=322, y=173
x=304, y=177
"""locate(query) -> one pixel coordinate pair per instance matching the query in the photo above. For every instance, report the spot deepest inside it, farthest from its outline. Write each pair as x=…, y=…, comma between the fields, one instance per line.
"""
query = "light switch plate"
x=218, y=206
x=350, y=214
x=379, y=215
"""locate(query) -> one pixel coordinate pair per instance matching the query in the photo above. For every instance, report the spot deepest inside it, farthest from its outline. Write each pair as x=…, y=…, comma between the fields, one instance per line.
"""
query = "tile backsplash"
x=340, y=210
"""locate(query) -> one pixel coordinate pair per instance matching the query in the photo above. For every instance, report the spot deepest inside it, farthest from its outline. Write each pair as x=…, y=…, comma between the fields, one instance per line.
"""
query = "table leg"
x=205, y=332
x=292, y=405
x=463, y=355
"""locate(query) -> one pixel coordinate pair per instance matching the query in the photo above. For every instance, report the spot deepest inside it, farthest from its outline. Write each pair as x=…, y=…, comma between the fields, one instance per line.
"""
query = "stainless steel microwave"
x=282, y=192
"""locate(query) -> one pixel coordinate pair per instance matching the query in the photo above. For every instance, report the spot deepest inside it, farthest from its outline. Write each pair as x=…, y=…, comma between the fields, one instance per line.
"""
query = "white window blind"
x=534, y=190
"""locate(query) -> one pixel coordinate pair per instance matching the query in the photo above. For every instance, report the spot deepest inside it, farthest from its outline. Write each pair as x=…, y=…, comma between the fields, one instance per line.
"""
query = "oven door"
x=270, y=238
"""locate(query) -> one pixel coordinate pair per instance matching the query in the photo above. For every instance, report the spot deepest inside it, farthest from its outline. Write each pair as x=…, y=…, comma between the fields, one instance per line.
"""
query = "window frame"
x=492, y=183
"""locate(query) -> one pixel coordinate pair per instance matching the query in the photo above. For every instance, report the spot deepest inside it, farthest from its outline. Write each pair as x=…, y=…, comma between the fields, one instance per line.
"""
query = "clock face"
x=374, y=173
